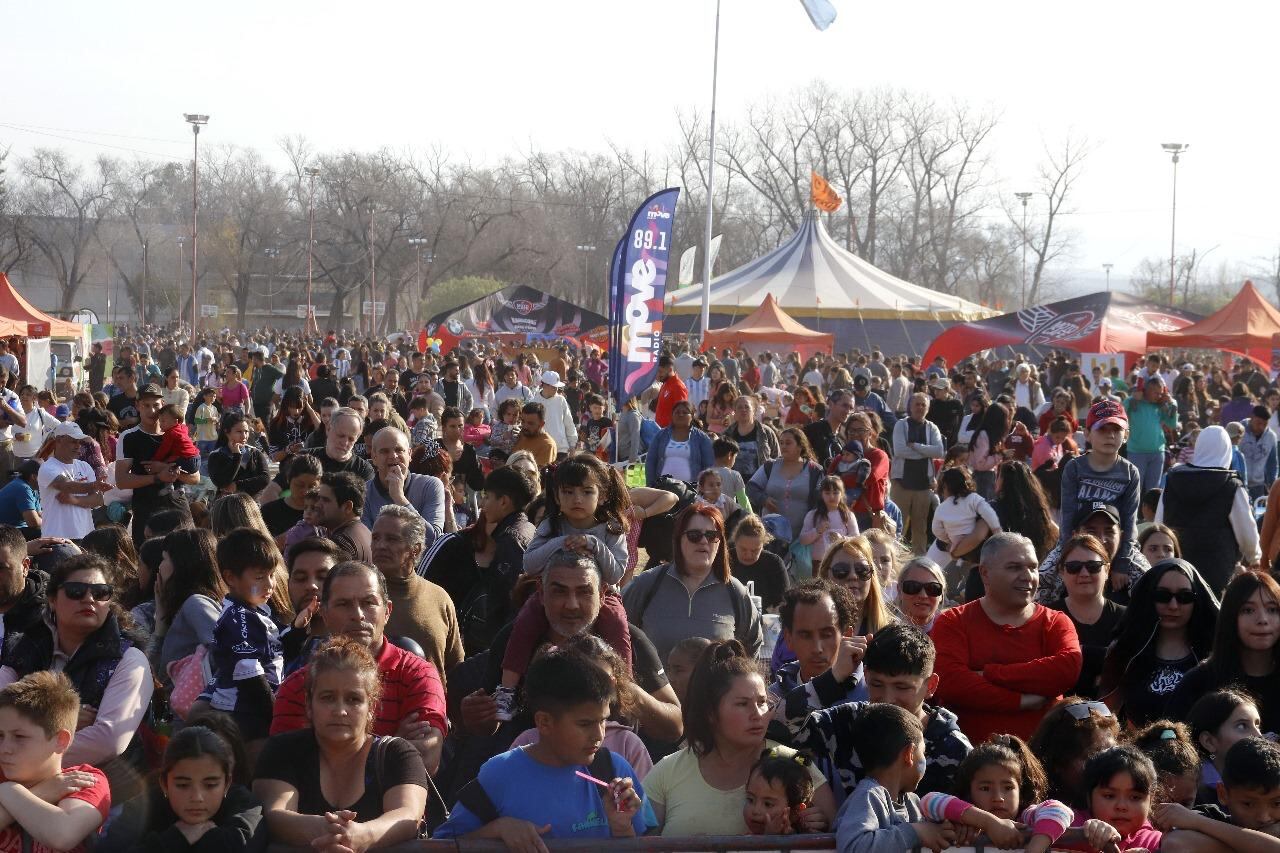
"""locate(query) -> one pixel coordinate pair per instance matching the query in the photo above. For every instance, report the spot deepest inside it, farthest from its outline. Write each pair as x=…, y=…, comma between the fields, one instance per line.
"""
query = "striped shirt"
x=410, y=685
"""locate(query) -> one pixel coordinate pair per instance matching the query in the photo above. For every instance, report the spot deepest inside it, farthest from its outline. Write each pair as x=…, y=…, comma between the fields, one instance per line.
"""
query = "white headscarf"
x=1213, y=448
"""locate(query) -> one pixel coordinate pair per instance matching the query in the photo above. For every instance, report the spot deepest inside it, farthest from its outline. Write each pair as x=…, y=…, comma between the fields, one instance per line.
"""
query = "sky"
x=486, y=78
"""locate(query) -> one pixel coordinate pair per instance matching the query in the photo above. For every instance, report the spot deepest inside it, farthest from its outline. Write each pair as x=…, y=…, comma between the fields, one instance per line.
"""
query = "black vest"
x=1197, y=505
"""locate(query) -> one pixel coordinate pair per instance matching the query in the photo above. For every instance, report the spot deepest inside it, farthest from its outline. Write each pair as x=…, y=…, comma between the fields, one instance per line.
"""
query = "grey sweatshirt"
x=610, y=549
x=870, y=822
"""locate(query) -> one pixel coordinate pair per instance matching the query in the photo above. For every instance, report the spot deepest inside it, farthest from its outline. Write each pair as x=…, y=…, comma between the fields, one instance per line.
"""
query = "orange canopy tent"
x=1246, y=325
x=769, y=327
x=16, y=313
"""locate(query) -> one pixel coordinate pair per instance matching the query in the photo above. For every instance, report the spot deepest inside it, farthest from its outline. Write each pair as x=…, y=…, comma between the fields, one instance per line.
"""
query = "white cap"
x=550, y=377
x=67, y=429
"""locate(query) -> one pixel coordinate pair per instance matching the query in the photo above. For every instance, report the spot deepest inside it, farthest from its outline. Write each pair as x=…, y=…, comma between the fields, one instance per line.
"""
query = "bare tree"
x=67, y=207
x=1045, y=238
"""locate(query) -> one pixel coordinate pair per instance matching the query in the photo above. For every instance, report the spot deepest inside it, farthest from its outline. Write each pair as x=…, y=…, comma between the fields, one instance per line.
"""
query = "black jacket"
x=248, y=469
x=26, y=611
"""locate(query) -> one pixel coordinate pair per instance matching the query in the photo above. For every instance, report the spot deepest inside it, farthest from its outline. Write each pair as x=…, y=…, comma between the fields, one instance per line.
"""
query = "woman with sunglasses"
x=1165, y=631
x=1085, y=567
x=920, y=587
x=694, y=595
x=850, y=563
x=94, y=642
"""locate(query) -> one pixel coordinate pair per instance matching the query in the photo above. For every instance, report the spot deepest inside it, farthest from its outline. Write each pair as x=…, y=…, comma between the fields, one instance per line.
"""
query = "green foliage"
x=452, y=292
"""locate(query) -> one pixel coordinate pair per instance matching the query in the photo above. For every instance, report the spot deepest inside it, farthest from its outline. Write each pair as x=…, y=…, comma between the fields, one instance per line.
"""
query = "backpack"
x=477, y=801
x=656, y=534
x=742, y=606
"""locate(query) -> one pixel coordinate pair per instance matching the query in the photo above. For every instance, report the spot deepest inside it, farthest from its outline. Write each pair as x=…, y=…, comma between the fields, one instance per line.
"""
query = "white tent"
x=829, y=289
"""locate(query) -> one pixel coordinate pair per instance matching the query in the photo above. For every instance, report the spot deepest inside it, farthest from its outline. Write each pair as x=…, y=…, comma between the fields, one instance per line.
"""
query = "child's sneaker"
x=505, y=697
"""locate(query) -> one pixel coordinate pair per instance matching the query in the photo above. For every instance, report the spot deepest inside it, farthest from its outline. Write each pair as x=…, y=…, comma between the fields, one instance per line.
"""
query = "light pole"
x=177, y=282
x=1175, y=149
x=312, y=173
x=705, y=323
x=273, y=253
x=373, y=276
x=145, y=272
x=1108, y=267
x=1024, y=197
x=417, y=243
x=197, y=121
x=586, y=259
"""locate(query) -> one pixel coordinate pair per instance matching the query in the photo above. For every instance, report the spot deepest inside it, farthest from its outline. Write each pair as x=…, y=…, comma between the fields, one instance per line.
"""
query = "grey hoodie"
x=870, y=822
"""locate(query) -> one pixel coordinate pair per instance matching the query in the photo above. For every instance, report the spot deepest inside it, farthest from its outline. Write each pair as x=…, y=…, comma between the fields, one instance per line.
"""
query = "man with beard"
x=452, y=389
x=571, y=598
x=22, y=587
x=354, y=604
x=421, y=610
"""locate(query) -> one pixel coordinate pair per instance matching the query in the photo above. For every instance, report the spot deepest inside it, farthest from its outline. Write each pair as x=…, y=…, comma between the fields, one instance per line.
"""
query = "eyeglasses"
x=840, y=571
x=76, y=590
x=1083, y=710
x=696, y=536
x=1073, y=567
x=931, y=588
x=1182, y=596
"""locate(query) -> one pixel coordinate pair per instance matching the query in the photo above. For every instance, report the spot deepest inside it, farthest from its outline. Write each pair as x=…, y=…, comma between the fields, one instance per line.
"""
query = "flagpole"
x=711, y=166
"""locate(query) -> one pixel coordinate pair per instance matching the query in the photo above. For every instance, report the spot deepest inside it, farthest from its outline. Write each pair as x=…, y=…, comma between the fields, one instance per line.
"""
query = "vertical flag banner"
x=824, y=198
x=640, y=281
x=686, y=267
x=616, y=303
x=821, y=12
x=715, y=249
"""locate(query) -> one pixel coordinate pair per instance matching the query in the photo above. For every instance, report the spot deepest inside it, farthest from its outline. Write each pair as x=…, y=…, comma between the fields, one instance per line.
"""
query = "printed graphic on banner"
x=646, y=250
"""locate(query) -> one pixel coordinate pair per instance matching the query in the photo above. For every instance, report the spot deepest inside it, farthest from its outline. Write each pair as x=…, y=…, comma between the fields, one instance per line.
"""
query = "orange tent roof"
x=769, y=325
x=1245, y=324
x=16, y=313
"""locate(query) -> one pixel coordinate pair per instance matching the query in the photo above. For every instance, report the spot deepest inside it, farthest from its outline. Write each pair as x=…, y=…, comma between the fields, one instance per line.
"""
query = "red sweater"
x=672, y=392
x=410, y=685
x=985, y=668
x=175, y=446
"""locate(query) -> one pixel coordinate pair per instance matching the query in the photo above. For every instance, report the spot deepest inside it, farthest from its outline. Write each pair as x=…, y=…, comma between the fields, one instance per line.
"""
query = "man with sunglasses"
x=1003, y=658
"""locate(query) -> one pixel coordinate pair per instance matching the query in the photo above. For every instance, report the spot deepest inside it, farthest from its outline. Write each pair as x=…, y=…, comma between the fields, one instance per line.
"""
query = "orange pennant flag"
x=824, y=198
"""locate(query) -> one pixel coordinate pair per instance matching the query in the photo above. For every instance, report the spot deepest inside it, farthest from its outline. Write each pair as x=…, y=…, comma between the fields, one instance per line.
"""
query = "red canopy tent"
x=16, y=313
x=769, y=327
x=1097, y=323
x=1246, y=325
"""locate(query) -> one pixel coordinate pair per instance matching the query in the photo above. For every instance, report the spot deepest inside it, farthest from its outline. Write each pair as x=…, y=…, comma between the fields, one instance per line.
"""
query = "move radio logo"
x=639, y=289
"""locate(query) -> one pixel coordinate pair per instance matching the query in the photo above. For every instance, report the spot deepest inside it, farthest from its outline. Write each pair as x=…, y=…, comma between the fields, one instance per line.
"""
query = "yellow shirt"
x=694, y=807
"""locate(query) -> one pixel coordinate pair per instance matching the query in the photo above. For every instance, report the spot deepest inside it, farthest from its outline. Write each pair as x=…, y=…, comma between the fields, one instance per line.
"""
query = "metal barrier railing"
x=660, y=844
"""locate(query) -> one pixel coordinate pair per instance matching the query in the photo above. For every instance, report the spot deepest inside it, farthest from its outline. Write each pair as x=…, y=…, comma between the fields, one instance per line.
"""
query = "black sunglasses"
x=1073, y=567
x=840, y=571
x=76, y=590
x=1182, y=596
x=696, y=536
x=932, y=588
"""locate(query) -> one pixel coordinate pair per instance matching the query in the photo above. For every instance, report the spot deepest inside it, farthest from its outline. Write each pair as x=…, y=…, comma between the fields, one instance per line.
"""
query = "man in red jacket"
x=1003, y=659
x=672, y=391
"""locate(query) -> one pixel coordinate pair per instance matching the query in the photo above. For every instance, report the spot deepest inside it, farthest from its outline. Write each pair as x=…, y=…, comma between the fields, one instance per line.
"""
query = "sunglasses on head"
x=1082, y=710
x=76, y=590
x=1074, y=567
x=840, y=571
x=1182, y=596
x=931, y=588
x=696, y=536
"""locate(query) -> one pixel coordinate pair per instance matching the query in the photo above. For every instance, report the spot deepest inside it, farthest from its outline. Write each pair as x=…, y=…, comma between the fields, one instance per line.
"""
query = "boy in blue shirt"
x=246, y=657
x=533, y=791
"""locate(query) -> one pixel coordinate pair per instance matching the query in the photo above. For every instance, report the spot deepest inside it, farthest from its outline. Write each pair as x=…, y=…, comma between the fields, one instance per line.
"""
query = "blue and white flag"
x=821, y=12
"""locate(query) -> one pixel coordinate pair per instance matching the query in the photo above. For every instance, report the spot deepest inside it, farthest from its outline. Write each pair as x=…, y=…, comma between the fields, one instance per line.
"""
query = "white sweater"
x=953, y=520
x=560, y=425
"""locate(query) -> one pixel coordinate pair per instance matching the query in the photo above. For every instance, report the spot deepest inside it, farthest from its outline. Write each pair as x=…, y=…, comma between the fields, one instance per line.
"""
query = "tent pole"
x=711, y=165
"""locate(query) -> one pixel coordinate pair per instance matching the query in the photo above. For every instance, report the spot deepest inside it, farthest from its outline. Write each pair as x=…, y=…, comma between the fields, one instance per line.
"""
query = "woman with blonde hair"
x=851, y=563
x=890, y=554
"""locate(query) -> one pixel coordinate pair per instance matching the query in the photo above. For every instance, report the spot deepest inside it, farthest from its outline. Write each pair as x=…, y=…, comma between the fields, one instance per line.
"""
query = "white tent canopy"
x=813, y=277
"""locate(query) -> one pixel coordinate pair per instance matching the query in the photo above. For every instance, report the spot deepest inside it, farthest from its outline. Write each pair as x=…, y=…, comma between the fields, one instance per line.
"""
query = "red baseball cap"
x=1106, y=412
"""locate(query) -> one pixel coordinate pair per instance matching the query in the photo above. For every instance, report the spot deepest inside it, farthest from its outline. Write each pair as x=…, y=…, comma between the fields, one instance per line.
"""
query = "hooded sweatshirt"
x=1208, y=506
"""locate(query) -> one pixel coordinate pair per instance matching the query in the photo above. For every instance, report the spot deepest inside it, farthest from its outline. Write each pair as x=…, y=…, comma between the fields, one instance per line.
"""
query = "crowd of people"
x=335, y=592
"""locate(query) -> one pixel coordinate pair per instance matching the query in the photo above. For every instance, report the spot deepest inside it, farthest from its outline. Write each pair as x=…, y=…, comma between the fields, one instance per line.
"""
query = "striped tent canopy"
x=830, y=289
